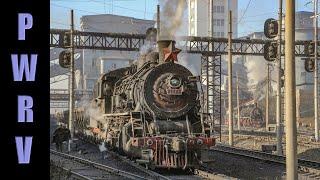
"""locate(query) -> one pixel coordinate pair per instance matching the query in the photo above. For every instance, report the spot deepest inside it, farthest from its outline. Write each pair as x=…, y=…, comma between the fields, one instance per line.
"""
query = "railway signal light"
x=270, y=51
x=65, y=59
x=309, y=49
x=309, y=64
x=271, y=28
x=65, y=39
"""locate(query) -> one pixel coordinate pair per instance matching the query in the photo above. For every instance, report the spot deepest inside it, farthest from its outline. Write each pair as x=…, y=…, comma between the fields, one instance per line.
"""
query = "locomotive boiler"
x=149, y=111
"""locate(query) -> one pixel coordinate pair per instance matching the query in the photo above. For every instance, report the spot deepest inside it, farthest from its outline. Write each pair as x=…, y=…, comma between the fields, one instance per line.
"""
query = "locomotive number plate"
x=174, y=91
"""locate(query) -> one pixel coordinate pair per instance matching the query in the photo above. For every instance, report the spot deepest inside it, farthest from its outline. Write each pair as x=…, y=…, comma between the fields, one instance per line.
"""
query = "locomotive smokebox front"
x=167, y=91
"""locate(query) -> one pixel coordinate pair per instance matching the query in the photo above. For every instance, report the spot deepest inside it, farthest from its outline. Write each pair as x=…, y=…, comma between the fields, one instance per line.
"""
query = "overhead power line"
x=245, y=11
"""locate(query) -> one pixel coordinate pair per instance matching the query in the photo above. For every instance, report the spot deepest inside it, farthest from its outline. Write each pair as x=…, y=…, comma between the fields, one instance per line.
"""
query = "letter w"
x=23, y=149
x=24, y=66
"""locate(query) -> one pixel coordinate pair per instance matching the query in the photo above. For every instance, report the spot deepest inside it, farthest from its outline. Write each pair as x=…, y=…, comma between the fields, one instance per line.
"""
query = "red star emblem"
x=171, y=54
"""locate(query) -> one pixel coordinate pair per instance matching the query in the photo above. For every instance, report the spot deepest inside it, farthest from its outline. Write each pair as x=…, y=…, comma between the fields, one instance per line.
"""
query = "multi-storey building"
x=199, y=12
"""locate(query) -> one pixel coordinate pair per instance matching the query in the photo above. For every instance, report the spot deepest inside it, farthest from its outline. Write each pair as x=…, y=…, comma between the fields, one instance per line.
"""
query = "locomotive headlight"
x=175, y=82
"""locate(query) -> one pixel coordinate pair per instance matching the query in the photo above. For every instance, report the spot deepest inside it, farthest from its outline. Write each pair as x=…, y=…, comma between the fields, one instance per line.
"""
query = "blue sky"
x=253, y=18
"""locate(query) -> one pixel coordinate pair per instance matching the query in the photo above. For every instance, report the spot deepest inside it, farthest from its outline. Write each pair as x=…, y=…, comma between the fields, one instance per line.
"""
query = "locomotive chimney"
x=169, y=45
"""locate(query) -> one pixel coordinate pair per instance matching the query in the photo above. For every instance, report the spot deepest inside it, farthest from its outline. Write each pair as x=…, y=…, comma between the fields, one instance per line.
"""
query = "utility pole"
x=290, y=89
x=316, y=118
x=238, y=103
x=158, y=22
x=211, y=19
x=71, y=90
x=230, y=80
x=278, y=110
x=267, y=96
x=209, y=75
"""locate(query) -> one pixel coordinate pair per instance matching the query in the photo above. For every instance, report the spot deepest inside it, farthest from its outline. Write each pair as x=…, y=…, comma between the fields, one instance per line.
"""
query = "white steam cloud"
x=171, y=17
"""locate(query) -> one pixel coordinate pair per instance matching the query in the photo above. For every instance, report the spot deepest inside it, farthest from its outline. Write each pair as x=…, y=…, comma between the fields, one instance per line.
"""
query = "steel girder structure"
x=63, y=94
x=98, y=41
x=133, y=42
x=211, y=87
x=59, y=104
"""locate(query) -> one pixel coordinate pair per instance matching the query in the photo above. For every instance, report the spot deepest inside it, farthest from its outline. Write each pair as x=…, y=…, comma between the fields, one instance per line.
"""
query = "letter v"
x=23, y=149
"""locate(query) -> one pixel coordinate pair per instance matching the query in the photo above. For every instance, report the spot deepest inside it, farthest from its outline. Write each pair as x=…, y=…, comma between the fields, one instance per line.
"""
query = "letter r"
x=25, y=113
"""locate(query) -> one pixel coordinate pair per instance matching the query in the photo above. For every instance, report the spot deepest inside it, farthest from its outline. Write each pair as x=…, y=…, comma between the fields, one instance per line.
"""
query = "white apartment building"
x=199, y=12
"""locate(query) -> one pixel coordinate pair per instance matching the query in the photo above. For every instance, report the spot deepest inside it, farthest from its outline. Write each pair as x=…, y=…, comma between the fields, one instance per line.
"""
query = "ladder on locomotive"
x=137, y=125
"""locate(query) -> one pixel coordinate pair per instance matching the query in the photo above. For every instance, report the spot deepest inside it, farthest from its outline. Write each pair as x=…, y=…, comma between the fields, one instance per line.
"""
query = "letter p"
x=25, y=21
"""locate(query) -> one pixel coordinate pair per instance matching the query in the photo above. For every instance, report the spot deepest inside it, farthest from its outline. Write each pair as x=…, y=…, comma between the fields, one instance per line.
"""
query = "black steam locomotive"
x=149, y=111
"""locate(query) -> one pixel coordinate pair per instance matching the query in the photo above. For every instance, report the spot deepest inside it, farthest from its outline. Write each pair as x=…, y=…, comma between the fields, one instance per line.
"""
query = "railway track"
x=303, y=140
x=305, y=166
x=80, y=168
x=137, y=170
x=141, y=168
x=265, y=133
x=203, y=173
x=86, y=169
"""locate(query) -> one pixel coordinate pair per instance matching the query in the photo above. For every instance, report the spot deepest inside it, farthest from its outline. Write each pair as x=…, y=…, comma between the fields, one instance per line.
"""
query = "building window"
x=218, y=9
x=90, y=84
x=222, y=9
x=218, y=22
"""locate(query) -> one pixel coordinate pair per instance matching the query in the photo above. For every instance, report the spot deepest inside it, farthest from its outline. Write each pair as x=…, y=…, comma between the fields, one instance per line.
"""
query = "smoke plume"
x=171, y=17
x=89, y=109
x=257, y=76
x=257, y=69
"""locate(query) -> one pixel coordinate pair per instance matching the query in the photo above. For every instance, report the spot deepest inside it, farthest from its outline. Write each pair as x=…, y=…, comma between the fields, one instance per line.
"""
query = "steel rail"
x=98, y=166
x=73, y=173
x=151, y=173
x=264, y=156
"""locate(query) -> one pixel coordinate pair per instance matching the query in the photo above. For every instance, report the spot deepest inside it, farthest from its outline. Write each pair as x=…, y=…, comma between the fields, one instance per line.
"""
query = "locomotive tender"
x=150, y=112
